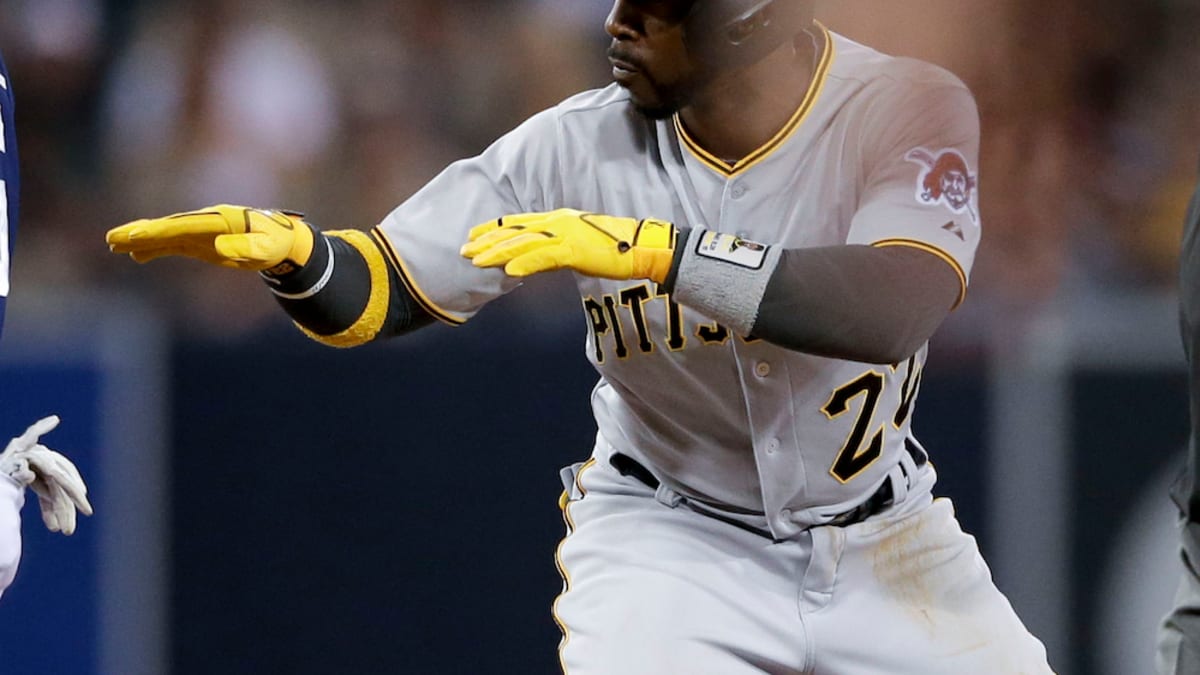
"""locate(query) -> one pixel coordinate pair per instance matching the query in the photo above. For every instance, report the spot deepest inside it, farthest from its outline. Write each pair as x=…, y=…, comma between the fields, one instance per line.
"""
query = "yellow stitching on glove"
x=370, y=322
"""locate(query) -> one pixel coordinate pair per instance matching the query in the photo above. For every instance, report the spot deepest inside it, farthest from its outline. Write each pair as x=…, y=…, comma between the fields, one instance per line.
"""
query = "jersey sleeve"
x=12, y=498
x=920, y=153
x=422, y=237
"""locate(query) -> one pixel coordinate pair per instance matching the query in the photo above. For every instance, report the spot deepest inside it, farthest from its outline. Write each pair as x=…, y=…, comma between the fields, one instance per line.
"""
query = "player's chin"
x=656, y=113
x=650, y=103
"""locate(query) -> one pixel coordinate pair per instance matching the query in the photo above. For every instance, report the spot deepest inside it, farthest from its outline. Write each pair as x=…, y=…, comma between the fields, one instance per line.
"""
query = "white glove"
x=59, y=487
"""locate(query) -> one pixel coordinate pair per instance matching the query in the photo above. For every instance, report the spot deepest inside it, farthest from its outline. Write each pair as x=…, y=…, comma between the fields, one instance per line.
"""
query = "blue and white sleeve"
x=9, y=186
x=12, y=498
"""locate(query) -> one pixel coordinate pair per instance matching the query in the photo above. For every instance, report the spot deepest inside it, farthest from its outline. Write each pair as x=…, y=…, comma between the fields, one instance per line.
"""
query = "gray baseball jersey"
x=882, y=152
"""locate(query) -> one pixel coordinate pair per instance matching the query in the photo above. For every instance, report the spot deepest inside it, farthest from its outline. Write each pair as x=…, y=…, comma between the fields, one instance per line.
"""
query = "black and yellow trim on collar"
x=443, y=315
x=930, y=248
x=814, y=92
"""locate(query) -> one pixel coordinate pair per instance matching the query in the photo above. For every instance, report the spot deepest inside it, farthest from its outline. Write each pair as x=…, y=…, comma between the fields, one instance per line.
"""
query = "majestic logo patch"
x=946, y=179
x=953, y=228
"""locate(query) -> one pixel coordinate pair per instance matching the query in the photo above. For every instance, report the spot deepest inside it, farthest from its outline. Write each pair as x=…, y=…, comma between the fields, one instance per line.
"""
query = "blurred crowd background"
x=341, y=109
x=129, y=109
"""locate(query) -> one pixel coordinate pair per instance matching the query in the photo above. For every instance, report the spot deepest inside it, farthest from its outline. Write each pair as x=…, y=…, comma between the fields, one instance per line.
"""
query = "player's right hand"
x=226, y=235
x=59, y=487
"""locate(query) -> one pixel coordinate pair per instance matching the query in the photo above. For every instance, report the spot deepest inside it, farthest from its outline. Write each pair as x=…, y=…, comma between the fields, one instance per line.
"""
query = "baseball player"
x=25, y=462
x=1179, y=638
x=766, y=222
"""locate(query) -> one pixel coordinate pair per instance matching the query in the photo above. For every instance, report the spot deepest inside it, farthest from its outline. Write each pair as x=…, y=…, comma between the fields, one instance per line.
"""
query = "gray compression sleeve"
x=877, y=305
x=862, y=303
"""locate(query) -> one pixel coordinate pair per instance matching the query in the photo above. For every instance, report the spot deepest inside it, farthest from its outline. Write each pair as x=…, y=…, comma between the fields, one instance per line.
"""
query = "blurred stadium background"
x=266, y=505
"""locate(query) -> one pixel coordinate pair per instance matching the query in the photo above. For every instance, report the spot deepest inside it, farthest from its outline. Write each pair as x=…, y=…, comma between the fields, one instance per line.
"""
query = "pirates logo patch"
x=946, y=179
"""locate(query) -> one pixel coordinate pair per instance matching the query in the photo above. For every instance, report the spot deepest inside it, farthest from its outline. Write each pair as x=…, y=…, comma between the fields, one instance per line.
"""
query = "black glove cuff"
x=681, y=239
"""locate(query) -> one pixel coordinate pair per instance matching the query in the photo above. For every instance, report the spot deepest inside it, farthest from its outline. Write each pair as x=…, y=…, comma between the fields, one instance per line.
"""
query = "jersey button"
x=772, y=446
x=762, y=369
x=786, y=514
x=739, y=191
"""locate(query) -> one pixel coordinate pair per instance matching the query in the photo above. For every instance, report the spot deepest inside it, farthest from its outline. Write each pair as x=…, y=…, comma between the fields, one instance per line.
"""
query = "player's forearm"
x=347, y=294
x=877, y=305
x=862, y=303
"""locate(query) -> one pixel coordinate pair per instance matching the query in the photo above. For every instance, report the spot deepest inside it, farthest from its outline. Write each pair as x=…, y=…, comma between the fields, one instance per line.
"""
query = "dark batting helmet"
x=740, y=32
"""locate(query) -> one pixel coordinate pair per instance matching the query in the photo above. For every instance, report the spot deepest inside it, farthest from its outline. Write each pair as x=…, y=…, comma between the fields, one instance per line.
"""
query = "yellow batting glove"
x=231, y=236
x=609, y=247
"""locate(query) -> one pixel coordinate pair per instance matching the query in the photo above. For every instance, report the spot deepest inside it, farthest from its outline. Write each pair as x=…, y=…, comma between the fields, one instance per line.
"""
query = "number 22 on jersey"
x=857, y=453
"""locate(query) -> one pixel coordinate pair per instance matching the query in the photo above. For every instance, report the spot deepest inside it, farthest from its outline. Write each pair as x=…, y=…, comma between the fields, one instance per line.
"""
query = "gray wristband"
x=724, y=277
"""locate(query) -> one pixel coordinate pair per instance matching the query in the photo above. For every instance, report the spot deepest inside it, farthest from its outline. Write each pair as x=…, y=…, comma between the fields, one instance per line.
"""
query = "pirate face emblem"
x=955, y=188
x=945, y=178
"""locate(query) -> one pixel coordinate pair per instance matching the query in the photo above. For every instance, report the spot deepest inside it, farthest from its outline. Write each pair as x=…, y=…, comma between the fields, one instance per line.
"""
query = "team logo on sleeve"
x=945, y=179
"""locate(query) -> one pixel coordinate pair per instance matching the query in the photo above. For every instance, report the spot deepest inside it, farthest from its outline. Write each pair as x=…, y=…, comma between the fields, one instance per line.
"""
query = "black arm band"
x=336, y=288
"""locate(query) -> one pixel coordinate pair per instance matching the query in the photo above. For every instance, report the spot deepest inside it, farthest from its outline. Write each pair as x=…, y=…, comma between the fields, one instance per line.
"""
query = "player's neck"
x=741, y=110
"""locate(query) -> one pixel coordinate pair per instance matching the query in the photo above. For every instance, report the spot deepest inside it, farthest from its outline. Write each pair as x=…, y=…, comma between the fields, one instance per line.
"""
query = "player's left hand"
x=609, y=247
x=59, y=487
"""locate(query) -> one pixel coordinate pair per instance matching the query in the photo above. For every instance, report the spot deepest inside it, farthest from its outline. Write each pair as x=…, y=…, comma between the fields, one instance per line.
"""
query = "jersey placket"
x=766, y=388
